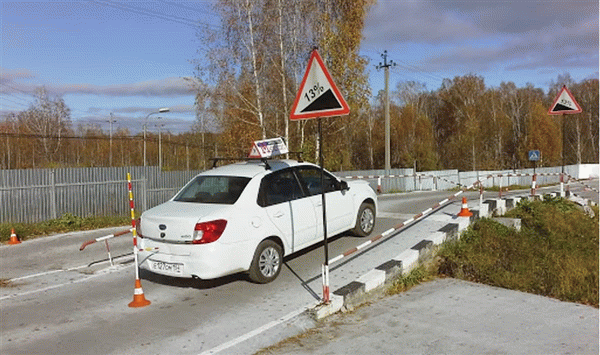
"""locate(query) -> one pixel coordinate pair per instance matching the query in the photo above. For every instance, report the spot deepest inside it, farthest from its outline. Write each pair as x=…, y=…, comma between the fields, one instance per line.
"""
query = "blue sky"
x=130, y=58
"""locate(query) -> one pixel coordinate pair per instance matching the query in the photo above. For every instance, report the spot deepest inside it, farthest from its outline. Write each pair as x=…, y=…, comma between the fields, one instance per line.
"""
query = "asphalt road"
x=57, y=303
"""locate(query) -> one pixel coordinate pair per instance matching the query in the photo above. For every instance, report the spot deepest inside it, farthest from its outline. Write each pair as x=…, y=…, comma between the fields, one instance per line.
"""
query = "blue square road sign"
x=534, y=155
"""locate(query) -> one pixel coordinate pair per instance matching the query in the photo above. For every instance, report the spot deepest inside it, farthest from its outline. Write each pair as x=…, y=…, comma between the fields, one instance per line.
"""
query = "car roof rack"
x=216, y=160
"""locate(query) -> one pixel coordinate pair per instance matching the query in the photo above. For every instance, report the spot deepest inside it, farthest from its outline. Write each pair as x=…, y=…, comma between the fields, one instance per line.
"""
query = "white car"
x=245, y=217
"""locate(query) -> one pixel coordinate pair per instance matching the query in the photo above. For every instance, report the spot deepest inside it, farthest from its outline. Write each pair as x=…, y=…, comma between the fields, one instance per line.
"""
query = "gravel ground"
x=449, y=316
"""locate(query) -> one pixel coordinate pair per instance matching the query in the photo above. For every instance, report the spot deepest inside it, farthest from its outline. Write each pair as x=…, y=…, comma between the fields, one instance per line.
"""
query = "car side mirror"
x=344, y=186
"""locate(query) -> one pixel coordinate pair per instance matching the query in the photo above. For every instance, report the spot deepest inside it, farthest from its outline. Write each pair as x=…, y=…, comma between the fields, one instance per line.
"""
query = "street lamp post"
x=160, y=145
x=160, y=110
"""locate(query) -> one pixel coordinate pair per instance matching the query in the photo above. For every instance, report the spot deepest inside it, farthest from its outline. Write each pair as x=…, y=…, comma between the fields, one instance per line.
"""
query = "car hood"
x=175, y=221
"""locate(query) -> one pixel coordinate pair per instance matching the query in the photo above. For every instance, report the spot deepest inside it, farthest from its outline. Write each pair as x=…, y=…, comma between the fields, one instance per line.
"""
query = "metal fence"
x=35, y=195
x=405, y=180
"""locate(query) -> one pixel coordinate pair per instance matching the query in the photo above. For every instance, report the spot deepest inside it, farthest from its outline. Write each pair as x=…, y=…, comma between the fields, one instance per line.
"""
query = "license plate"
x=173, y=268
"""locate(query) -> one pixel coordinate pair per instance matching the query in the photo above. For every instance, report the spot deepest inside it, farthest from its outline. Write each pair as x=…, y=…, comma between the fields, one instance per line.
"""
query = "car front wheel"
x=365, y=221
x=266, y=263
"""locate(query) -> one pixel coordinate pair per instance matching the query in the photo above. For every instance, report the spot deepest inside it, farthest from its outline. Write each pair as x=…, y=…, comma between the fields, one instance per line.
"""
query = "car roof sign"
x=268, y=148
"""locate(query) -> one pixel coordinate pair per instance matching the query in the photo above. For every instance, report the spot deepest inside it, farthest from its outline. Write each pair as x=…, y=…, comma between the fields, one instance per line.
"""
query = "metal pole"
x=159, y=148
x=145, y=124
x=326, y=247
x=562, y=172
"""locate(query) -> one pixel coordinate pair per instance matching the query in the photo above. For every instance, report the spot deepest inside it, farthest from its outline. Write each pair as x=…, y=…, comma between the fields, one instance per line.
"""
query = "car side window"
x=278, y=187
x=311, y=178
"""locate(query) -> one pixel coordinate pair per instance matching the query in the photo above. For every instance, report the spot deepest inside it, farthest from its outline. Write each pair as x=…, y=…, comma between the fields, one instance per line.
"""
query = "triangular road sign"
x=564, y=103
x=268, y=148
x=318, y=96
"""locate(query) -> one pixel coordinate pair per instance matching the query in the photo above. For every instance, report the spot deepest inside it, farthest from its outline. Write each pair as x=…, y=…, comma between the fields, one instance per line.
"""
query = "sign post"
x=534, y=156
x=564, y=103
x=318, y=97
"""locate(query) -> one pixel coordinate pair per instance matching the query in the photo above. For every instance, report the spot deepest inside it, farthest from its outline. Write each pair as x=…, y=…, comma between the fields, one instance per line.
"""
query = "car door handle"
x=278, y=214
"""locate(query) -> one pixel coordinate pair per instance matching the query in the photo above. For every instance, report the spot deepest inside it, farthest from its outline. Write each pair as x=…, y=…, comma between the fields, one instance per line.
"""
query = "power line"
x=152, y=13
x=14, y=102
x=185, y=7
x=414, y=69
x=14, y=88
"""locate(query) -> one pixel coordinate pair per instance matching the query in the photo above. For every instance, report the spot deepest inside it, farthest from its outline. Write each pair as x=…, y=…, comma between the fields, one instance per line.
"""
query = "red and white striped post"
x=562, y=185
x=533, y=181
x=325, y=276
x=138, y=294
x=480, y=194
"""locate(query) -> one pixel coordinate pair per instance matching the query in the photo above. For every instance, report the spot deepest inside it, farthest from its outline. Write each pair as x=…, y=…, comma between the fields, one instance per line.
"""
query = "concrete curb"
x=374, y=281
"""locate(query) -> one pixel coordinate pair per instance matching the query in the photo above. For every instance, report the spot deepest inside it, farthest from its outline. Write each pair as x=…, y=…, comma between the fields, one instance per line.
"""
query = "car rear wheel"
x=266, y=263
x=365, y=221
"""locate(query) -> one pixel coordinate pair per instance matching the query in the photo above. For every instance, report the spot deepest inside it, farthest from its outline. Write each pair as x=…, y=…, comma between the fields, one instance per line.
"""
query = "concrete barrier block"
x=496, y=206
x=501, y=207
x=463, y=223
x=352, y=290
x=409, y=259
x=372, y=279
x=324, y=310
x=484, y=210
x=392, y=269
x=509, y=222
x=437, y=237
x=423, y=247
x=451, y=230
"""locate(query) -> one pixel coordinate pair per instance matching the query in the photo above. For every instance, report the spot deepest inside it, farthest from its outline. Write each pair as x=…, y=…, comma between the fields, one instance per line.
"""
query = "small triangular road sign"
x=564, y=103
x=318, y=95
x=268, y=148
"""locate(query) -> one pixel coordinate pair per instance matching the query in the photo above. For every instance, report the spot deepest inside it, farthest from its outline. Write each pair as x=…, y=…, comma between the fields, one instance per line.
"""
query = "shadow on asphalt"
x=190, y=282
x=239, y=277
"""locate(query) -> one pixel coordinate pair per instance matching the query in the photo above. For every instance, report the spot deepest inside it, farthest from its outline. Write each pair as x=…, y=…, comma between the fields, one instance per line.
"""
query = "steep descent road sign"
x=564, y=103
x=318, y=95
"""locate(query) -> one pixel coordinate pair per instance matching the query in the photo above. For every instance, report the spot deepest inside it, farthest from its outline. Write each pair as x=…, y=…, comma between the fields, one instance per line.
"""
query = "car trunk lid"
x=175, y=221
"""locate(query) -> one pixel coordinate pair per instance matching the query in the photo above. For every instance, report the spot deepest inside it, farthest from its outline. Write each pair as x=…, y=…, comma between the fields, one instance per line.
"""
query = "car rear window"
x=213, y=189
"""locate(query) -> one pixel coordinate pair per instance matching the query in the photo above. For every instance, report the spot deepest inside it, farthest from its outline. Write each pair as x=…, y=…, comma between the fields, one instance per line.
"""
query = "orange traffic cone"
x=138, y=296
x=13, y=238
x=464, y=211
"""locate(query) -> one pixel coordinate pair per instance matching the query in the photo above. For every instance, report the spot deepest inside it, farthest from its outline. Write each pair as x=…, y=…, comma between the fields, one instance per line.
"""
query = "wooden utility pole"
x=386, y=65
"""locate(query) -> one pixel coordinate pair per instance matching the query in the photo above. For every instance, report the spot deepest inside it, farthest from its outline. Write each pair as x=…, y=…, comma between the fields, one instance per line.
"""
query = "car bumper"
x=205, y=261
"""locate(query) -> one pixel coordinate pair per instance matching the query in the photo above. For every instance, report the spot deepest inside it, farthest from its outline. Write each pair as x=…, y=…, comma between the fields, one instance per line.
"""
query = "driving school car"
x=246, y=216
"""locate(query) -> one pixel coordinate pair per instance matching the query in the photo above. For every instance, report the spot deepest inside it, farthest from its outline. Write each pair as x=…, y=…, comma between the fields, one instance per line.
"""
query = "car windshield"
x=213, y=189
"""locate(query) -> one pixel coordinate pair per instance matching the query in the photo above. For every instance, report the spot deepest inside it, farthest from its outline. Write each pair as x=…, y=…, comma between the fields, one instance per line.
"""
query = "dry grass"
x=555, y=254
x=66, y=223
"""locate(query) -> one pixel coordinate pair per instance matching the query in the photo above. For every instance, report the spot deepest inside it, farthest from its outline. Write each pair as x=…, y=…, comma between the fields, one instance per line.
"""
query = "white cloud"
x=168, y=87
x=489, y=35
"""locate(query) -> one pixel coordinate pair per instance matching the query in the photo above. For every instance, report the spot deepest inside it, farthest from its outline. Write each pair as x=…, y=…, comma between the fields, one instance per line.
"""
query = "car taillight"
x=208, y=232
x=138, y=227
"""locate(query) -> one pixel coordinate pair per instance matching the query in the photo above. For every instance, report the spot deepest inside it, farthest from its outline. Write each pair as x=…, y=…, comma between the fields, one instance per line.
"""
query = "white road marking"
x=256, y=331
x=99, y=273
x=47, y=273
